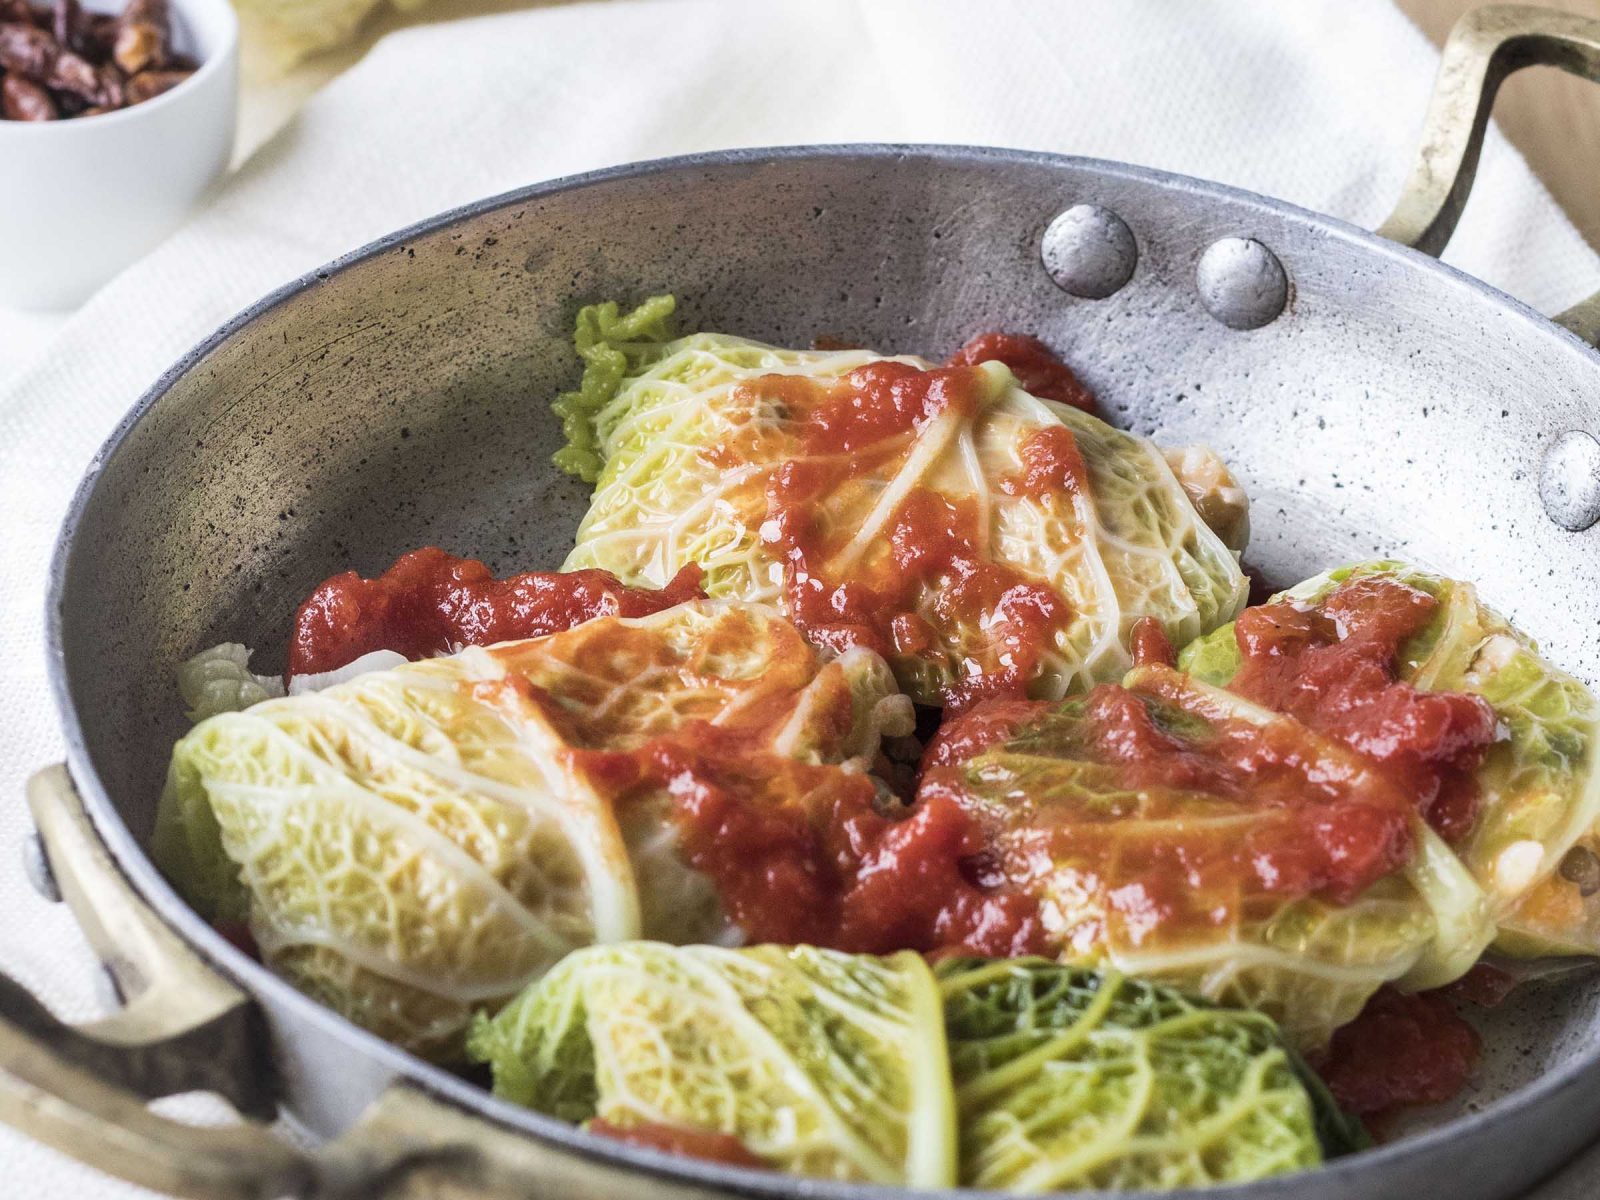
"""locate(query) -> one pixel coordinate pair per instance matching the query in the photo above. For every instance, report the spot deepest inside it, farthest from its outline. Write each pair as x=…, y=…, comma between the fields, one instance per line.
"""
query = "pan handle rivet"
x=1089, y=251
x=1569, y=481
x=1241, y=283
x=36, y=866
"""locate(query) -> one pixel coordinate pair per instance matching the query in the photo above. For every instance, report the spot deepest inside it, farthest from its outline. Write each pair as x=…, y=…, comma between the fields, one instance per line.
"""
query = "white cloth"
x=1318, y=102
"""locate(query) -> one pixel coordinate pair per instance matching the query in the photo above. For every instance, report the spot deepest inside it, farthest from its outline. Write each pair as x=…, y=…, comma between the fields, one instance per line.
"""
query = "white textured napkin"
x=1316, y=101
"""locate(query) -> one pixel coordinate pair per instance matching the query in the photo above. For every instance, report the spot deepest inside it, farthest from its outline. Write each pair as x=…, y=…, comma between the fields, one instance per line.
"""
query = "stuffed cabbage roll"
x=1529, y=830
x=1365, y=781
x=983, y=540
x=812, y=1061
x=1172, y=830
x=1016, y=1074
x=1067, y=1079
x=419, y=842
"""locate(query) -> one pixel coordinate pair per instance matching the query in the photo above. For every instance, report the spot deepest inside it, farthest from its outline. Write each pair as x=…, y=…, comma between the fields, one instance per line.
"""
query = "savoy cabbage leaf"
x=417, y=843
x=821, y=1063
x=688, y=435
x=1071, y=1079
x=1021, y=1074
x=1539, y=786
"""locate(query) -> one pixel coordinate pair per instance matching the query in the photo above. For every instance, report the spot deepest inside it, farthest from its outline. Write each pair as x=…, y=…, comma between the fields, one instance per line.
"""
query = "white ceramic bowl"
x=82, y=198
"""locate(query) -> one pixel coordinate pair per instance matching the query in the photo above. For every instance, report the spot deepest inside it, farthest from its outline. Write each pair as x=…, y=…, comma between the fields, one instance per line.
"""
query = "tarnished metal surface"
x=1241, y=283
x=1394, y=407
x=1569, y=480
x=1089, y=251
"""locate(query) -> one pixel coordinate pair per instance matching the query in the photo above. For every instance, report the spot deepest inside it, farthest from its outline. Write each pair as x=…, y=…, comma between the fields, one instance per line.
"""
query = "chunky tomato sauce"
x=798, y=851
x=1197, y=831
x=1485, y=986
x=1401, y=1052
x=1207, y=818
x=1332, y=667
x=1332, y=827
x=983, y=725
x=1035, y=365
x=680, y=1139
x=430, y=601
x=923, y=584
x=815, y=855
x=1051, y=464
x=1150, y=645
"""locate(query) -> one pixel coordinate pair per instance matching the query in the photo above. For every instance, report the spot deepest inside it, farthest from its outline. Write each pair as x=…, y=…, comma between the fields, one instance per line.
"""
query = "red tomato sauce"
x=1332, y=667
x=1485, y=986
x=680, y=1139
x=1329, y=832
x=1208, y=831
x=1221, y=814
x=1051, y=463
x=1401, y=1052
x=926, y=586
x=799, y=852
x=878, y=401
x=1150, y=645
x=981, y=726
x=430, y=601
x=1036, y=366
x=807, y=854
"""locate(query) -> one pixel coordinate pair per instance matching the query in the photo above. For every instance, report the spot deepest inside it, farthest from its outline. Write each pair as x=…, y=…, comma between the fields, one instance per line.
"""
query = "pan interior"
x=401, y=400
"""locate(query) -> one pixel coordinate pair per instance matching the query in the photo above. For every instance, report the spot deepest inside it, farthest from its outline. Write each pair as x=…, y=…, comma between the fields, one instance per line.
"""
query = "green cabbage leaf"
x=416, y=844
x=687, y=437
x=821, y=1063
x=1070, y=1079
x=612, y=345
x=1539, y=785
x=219, y=680
x=1021, y=1075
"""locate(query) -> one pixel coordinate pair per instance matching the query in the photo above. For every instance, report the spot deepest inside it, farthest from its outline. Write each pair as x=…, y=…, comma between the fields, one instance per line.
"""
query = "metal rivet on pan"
x=1089, y=251
x=1242, y=283
x=1569, y=481
x=36, y=866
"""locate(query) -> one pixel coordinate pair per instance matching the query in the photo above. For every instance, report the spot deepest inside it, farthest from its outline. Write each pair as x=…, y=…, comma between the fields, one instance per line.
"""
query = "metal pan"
x=1373, y=401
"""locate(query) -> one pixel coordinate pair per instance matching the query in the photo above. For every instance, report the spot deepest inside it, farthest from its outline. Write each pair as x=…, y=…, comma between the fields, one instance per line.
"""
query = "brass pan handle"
x=1486, y=46
x=85, y=1089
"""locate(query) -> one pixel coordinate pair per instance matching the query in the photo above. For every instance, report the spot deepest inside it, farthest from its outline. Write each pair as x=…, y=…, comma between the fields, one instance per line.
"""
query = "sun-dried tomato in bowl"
x=59, y=60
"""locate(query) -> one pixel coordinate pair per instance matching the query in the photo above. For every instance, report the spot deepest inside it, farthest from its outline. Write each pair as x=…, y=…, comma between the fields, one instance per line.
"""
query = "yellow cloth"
x=285, y=31
x=291, y=48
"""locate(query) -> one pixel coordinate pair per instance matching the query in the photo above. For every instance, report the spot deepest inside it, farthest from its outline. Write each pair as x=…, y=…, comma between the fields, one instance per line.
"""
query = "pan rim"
x=132, y=858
